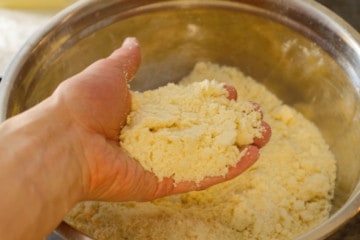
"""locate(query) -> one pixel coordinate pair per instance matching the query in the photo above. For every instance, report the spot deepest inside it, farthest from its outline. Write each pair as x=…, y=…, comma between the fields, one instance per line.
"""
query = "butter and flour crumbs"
x=190, y=131
x=287, y=192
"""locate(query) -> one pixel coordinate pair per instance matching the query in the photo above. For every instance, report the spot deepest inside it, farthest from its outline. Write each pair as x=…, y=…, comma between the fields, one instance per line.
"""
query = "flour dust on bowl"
x=297, y=52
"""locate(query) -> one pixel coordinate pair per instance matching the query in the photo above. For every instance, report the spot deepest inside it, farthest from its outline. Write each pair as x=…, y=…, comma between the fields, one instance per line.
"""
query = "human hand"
x=96, y=102
x=249, y=158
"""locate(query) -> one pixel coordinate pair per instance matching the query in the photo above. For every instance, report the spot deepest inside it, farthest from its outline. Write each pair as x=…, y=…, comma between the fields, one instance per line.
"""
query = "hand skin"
x=66, y=150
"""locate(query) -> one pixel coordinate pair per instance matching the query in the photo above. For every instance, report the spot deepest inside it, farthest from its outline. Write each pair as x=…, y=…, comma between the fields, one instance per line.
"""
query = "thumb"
x=98, y=97
x=122, y=63
x=127, y=57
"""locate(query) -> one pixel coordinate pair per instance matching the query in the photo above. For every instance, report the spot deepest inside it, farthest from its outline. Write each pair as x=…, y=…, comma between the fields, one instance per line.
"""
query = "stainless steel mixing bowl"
x=301, y=51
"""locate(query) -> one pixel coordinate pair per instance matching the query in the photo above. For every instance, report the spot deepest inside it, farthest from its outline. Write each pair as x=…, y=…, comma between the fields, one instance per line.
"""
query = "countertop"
x=13, y=36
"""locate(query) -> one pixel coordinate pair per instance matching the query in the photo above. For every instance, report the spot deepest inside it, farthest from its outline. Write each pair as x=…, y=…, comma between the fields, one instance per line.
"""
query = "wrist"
x=65, y=153
x=44, y=150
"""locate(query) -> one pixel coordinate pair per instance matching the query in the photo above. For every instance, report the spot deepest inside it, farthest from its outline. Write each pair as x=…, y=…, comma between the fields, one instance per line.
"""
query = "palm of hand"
x=97, y=101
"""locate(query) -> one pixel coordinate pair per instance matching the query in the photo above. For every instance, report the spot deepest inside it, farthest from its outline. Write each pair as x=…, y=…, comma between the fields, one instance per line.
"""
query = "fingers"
x=250, y=156
x=145, y=186
x=257, y=107
x=104, y=86
x=265, y=128
x=122, y=64
x=266, y=134
x=167, y=187
x=232, y=93
x=128, y=57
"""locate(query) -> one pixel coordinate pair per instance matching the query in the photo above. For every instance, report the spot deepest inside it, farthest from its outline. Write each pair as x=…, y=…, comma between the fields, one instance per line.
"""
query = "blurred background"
x=347, y=9
x=35, y=4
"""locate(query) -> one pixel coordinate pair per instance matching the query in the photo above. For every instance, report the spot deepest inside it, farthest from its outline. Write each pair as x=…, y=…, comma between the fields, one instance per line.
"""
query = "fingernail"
x=232, y=93
x=130, y=42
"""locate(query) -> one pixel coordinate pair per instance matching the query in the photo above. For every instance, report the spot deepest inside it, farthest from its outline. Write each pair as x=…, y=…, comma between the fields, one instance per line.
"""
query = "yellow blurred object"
x=35, y=4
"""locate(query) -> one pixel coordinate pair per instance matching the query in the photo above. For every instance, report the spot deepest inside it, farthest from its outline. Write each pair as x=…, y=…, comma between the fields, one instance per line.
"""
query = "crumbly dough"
x=189, y=132
x=284, y=194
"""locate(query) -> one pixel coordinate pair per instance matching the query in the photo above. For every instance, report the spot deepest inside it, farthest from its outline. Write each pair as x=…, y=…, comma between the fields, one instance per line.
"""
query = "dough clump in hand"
x=189, y=132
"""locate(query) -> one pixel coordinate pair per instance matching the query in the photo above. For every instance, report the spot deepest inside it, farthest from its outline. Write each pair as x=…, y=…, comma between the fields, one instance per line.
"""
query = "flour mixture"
x=284, y=194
